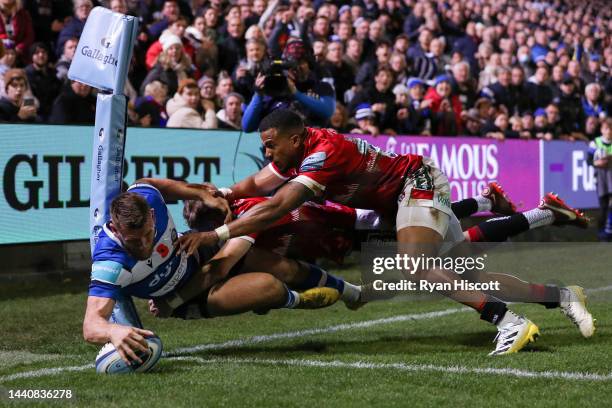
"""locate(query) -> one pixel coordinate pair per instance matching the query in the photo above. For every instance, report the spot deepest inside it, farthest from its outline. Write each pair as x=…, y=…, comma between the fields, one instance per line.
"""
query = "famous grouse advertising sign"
x=471, y=164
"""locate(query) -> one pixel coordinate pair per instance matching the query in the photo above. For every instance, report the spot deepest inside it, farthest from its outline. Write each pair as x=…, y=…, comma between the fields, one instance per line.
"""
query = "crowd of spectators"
x=489, y=68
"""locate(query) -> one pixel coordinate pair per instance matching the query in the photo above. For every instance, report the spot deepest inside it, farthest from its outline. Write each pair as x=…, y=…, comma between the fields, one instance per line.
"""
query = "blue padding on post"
x=125, y=313
x=107, y=159
x=103, y=54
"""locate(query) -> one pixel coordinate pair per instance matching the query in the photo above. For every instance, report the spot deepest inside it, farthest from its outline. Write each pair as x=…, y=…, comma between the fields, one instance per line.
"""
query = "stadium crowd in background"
x=488, y=68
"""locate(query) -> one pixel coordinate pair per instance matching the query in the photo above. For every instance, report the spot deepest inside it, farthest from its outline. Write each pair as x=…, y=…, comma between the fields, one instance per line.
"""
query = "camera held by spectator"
x=276, y=73
x=313, y=98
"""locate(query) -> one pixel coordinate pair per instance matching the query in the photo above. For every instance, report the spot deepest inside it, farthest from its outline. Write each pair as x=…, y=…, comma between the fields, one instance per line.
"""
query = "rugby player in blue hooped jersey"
x=136, y=256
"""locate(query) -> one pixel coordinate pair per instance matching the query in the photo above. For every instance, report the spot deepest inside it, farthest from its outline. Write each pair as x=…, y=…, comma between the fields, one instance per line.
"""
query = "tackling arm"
x=260, y=184
x=258, y=218
x=261, y=216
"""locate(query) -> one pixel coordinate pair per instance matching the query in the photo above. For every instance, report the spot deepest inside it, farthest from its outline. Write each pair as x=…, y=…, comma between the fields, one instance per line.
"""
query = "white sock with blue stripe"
x=293, y=299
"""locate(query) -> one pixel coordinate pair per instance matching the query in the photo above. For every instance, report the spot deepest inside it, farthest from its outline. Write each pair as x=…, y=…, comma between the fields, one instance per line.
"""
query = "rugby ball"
x=109, y=361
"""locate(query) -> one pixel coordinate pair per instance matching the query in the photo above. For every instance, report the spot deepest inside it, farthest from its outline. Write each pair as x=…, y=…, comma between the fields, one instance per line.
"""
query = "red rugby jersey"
x=351, y=171
x=309, y=232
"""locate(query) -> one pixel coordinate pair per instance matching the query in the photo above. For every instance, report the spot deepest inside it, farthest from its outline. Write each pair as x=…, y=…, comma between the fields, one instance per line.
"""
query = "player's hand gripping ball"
x=109, y=361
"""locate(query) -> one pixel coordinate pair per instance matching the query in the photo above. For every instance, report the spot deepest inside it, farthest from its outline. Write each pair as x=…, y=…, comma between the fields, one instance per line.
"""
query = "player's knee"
x=271, y=286
x=285, y=269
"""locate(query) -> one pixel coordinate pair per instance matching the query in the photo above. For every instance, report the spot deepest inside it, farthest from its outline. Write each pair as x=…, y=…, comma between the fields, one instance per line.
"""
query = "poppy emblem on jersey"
x=314, y=162
x=162, y=250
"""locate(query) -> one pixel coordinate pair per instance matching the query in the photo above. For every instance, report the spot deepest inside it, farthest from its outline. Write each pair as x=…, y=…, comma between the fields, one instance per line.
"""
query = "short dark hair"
x=281, y=119
x=385, y=68
x=129, y=210
x=383, y=43
x=38, y=46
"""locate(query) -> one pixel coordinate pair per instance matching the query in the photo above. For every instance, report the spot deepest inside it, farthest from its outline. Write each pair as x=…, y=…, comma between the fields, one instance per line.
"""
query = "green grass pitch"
x=355, y=358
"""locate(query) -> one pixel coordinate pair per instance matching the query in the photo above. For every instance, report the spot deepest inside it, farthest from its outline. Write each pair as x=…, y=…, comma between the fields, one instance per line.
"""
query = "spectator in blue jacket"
x=314, y=99
x=75, y=26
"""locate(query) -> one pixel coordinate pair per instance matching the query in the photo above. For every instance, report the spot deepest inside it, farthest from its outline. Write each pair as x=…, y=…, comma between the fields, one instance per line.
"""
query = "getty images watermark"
x=508, y=271
x=409, y=266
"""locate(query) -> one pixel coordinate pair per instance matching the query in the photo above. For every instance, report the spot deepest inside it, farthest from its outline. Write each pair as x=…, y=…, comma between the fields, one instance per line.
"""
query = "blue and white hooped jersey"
x=115, y=272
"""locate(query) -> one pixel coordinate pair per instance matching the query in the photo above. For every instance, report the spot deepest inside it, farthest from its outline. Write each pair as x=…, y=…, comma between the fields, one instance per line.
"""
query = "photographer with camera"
x=291, y=83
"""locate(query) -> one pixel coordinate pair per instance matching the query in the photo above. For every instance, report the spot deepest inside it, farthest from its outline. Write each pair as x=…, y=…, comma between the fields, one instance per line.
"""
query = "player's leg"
x=249, y=292
x=492, y=198
x=570, y=299
x=299, y=275
x=423, y=220
x=257, y=291
x=514, y=331
x=551, y=211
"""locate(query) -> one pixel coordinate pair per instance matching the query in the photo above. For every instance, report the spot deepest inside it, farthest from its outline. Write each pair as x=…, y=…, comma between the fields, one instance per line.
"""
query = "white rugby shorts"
x=425, y=202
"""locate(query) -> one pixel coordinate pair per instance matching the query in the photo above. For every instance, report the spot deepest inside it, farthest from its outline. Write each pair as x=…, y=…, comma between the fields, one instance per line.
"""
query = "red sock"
x=547, y=295
x=475, y=234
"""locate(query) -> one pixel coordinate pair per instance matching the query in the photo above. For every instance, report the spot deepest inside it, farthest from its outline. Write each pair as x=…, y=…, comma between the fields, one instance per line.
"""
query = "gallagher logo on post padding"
x=98, y=54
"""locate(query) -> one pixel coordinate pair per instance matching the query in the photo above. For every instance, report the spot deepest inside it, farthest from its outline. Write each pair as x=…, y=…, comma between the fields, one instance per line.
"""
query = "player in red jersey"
x=320, y=163
x=314, y=231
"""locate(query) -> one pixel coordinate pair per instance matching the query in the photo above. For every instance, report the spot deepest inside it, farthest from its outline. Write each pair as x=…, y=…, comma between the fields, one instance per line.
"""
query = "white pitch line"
x=602, y=289
x=286, y=335
x=44, y=371
x=512, y=372
x=254, y=340
x=310, y=332
x=330, y=329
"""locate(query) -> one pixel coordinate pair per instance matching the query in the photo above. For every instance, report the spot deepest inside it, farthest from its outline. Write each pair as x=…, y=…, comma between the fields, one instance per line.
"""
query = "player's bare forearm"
x=180, y=190
x=216, y=269
x=258, y=218
x=245, y=188
x=228, y=256
x=96, y=328
x=259, y=184
x=177, y=190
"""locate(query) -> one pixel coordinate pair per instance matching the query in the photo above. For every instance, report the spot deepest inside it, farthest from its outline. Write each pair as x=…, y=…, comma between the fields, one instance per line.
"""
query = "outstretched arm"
x=258, y=218
x=179, y=190
x=97, y=329
x=260, y=184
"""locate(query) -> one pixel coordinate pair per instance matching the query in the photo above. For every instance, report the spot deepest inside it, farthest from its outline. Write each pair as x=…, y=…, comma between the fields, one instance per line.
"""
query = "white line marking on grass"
x=45, y=371
x=602, y=289
x=310, y=332
x=255, y=340
x=512, y=372
x=330, y=329
x=16, y=357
